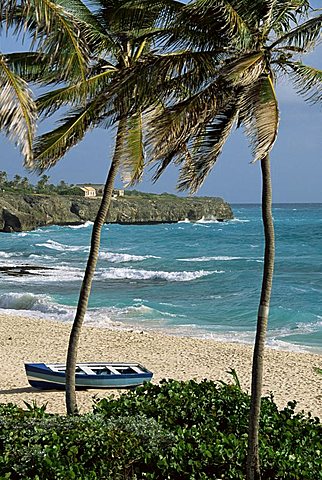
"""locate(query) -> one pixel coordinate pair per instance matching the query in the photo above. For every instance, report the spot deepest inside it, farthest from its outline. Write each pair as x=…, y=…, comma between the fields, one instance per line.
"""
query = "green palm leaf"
x=17, y=109
x=55, y=31
x=307, y=81
x=171, y=129
x=259, y=116
x=76, y=93
x=132, y=155
x=161, y=77
x=288, y=13
x=304, y=36
x=28, y=65
x=243, y=70
x=209, y=23
x=209, y=146
x=50, y=147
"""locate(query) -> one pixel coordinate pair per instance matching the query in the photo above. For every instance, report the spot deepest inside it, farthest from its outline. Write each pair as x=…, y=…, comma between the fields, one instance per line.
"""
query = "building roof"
x=88, y=189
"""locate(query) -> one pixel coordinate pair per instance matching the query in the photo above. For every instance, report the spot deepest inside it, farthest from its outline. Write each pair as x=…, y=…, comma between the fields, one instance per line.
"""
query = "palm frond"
x=307, y=81
x=17, y=109
x=132, y=155
x=162, y=77
x=76, y=93
x=304, y=36
x=129, y=16
x=259, y=115
x=58, y=33
x=286, y=13
x=255, y=12
x=211, y=141
x=209, y=24
x=268, y=15
x=172, y=128
x=32, y=67
x=52, y=146
x=244, y=69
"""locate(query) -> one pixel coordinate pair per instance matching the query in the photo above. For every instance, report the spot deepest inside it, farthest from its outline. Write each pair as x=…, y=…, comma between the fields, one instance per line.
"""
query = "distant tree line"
x=20, y=184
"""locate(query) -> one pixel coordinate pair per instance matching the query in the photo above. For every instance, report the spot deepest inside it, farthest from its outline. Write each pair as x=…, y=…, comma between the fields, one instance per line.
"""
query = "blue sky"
x=296, y=158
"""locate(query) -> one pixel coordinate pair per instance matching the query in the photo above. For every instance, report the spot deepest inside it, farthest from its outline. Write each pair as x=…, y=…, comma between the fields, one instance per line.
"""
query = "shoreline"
x=288, y=375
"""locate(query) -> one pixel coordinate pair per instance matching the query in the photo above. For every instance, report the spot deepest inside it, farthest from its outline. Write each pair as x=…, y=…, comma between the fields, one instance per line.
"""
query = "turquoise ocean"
x=198, y=279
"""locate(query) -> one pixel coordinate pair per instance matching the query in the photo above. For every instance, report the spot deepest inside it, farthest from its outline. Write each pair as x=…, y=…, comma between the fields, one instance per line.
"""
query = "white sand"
x=289, y=375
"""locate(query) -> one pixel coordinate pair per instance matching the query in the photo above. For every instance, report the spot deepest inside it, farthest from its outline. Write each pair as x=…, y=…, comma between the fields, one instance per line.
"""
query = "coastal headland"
x=287, y=375
x=22, y=212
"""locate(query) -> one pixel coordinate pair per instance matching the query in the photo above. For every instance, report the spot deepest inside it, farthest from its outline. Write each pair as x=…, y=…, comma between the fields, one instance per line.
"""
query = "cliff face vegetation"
x=20, y=212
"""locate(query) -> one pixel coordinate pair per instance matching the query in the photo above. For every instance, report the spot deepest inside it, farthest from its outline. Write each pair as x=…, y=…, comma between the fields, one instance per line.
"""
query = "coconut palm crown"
x=256, y=43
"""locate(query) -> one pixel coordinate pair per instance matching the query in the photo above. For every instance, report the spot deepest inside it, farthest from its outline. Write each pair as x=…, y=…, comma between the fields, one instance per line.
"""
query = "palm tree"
x=125, y=35
x=255, y=44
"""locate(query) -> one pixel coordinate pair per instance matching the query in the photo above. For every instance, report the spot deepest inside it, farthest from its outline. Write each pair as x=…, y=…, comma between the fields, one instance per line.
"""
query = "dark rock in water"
x=20, y=212
x=21, y=270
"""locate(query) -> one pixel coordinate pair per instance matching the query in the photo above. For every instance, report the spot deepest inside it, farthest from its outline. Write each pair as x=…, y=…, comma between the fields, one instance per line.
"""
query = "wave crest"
x=133, y=274
x=220, y=258
x=124, y=257
x=53, y=245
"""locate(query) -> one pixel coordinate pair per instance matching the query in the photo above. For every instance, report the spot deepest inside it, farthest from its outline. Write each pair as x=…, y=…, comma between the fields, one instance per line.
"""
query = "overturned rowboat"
x=88, y=375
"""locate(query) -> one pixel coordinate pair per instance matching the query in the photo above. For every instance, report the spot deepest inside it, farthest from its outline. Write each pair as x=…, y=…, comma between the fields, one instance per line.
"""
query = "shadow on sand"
x=12, y=391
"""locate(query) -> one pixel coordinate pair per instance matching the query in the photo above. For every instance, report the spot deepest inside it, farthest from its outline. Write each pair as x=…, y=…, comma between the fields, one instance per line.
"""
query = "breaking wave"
x=123, y=257
x=209, y=259
x=53, y=245
x=82, y=225
x=132, y=274
x=30, y=301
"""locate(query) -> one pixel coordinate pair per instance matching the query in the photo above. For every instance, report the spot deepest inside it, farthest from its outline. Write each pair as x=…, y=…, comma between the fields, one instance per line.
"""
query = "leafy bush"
x=81, y=447
x=174, y=430
x=210, y=423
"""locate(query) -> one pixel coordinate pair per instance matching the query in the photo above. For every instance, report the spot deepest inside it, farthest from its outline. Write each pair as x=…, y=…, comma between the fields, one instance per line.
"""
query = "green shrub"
x=81, y=447
x=210, y=423
x=174, y=430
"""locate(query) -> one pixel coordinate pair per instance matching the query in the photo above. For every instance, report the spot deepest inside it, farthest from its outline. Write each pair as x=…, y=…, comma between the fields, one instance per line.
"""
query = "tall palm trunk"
x=253, y=466
x=71, y=403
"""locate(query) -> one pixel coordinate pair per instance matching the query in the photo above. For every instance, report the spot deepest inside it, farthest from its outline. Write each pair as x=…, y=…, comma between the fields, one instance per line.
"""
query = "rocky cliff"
x=26, y=212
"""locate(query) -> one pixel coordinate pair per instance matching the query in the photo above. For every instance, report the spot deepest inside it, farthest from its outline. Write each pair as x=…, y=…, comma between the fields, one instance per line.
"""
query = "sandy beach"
x=289, y=375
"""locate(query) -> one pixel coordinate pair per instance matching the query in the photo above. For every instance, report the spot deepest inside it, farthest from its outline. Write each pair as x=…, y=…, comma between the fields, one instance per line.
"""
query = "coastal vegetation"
x=178, y=430
x=22, y=185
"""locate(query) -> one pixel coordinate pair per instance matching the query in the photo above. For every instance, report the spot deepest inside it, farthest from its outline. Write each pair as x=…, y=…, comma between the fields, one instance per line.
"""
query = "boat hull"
x=41, y=377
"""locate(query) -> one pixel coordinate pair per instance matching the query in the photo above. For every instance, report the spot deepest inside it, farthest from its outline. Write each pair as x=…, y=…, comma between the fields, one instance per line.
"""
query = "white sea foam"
x=10, y=254
x=51, y=244
x=207, y=220
x=132, y=274
x=145, y=310
x=83, y=225
x=186, y=220
x=221, y=258
x=124, y=257
x=34, y=256
x=201, y=224
x=239, y=220
x=57, y=275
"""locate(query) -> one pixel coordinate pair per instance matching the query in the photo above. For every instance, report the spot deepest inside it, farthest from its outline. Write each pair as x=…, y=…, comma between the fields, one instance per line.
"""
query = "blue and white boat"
x=88, y=375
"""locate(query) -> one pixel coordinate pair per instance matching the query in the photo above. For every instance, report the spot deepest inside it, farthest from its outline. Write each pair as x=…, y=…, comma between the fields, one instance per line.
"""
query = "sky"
x=296, y=159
